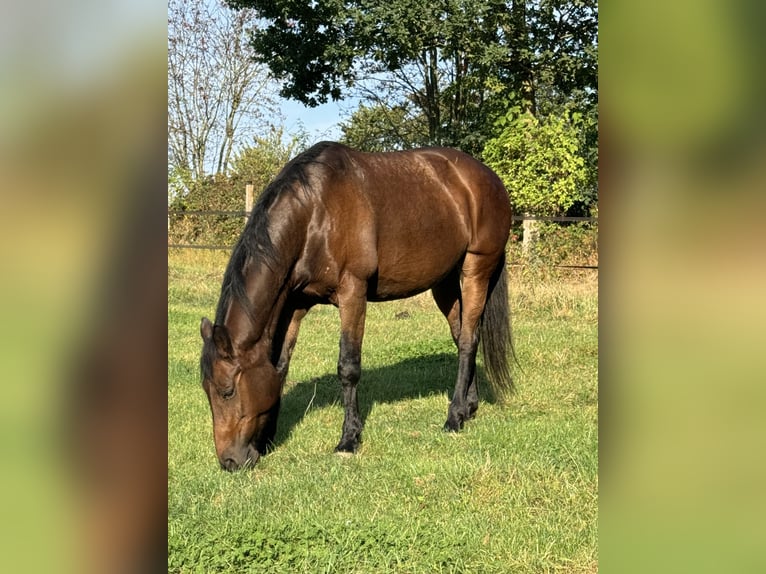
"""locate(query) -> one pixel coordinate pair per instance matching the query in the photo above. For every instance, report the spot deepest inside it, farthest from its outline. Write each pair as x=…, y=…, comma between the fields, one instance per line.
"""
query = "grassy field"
x=515, y=491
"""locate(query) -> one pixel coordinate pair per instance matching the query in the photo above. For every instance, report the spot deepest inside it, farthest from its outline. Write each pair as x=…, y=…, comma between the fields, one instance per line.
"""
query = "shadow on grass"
x=413, y=378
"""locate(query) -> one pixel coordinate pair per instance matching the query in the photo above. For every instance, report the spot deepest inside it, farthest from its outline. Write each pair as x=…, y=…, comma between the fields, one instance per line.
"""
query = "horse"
x=343, y=227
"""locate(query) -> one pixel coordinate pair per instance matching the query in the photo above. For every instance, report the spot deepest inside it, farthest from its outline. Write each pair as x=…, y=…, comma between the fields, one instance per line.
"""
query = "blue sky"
x=321, y=122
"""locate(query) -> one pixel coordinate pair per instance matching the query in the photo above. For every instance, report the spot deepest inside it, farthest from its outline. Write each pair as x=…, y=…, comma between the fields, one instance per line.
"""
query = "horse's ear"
x=222, y=342
x=206, y=329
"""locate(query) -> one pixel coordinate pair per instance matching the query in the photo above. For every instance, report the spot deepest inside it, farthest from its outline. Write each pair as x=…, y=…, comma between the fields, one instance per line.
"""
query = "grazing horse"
x=344, y=227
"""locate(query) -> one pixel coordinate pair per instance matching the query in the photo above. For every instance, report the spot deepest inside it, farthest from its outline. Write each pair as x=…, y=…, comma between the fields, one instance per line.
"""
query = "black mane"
x=255, y=247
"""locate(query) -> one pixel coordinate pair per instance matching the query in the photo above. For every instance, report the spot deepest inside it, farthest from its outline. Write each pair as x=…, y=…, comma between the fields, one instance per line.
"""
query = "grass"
x=515, y=491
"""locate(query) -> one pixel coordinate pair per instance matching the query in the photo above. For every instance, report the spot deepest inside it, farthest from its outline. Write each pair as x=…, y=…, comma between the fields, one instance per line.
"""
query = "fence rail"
x=559, y=219
x=243, y=213
x=207, y=212
x=555, y=218
x=193, y=246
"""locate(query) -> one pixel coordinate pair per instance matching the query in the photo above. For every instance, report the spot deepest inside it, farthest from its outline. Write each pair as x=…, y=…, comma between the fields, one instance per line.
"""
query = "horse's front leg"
x=352, y=302
x=285, y=339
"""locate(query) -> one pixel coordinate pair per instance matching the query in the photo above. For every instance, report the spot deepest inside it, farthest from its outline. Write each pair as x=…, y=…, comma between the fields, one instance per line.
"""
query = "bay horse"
x=344, y=227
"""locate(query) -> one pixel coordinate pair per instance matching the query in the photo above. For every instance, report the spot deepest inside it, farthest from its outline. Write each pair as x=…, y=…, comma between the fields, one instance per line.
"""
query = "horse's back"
x=407, y=219
x=432, y=196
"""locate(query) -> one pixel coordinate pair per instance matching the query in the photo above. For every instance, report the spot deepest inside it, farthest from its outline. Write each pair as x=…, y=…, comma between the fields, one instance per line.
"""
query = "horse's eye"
x=227, y=393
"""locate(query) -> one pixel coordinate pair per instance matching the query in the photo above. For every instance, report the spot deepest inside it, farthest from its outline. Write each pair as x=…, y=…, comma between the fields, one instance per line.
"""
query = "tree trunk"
x=432, y=108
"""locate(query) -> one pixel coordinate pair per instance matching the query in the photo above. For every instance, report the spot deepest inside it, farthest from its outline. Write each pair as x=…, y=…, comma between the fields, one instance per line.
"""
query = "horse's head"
x=244, y=393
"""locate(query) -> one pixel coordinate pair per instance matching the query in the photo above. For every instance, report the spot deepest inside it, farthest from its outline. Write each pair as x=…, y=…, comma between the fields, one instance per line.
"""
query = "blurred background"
x=682, y=177
x=82, y=192
x=83, y=221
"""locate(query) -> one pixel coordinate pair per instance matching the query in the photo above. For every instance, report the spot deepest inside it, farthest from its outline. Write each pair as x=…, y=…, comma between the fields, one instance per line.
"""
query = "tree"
x=553, y=55
x=382, y=128
x=435, y=57
x=260, y=162
x=217, y=93
x=460, y=64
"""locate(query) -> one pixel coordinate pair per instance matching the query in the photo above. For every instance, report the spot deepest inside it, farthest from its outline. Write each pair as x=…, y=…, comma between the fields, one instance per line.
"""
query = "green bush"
x=573, y=244
x=540, y=162
x=567, y=244
x=216, y=193
x=256, y=165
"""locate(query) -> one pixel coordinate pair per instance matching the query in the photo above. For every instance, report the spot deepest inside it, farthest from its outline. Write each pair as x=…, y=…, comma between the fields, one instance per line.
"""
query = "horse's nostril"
x=229, y=464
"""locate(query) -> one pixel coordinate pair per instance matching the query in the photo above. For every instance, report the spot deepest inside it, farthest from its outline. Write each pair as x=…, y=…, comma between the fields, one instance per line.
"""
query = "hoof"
x=453, y=426
x=347, y=447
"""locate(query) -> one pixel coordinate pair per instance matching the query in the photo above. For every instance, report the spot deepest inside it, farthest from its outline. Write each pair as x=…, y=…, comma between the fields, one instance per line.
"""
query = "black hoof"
x=453, y=426
x=347, y=447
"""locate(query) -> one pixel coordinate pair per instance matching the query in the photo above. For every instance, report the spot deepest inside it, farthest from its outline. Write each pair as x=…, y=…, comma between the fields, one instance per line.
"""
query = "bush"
x=539, y=162
x=558, y=244
x=574, y=244
x=256, y=165
x=215, y=193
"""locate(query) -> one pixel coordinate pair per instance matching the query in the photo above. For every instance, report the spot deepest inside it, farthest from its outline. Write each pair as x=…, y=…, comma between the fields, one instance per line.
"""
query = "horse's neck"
x=265, y=293
x=266, y=284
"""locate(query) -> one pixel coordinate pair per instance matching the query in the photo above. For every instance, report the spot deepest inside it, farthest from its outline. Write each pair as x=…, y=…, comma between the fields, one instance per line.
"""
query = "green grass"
x=515, y=491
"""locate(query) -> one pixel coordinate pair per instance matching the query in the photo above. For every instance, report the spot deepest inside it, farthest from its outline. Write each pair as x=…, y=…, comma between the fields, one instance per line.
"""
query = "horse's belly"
x=391, y=290
x=403, y=273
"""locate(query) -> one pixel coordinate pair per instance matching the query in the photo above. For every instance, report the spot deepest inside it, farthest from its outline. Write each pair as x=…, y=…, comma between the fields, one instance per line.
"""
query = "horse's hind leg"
x=352, y=303
x=447, y=297
x=476, y=273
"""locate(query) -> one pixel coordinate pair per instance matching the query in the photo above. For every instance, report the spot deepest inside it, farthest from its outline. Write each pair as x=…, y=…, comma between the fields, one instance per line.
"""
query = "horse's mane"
x=254, y=246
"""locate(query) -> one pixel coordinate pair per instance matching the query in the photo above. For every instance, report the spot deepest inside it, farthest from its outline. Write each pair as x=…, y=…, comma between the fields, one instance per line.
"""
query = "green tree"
x=260, y=162
x=460, y=64
x=382, y=128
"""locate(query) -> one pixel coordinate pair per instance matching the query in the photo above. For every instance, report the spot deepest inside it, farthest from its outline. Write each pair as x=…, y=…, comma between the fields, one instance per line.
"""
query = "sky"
x=321, y=123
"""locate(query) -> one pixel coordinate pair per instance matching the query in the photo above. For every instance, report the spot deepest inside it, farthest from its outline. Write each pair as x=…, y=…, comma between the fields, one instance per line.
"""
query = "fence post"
x=531, y=233
x=248, y=200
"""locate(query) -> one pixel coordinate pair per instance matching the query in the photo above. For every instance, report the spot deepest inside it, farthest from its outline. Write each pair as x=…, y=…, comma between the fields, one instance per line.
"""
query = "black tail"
x=495, y=334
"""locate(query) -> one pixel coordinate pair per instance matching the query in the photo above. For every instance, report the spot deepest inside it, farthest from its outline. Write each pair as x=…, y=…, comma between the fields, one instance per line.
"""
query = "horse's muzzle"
x=231, y=463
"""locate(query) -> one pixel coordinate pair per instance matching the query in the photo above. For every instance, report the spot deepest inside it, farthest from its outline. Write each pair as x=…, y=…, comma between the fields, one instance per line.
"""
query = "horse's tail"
x=495, y=334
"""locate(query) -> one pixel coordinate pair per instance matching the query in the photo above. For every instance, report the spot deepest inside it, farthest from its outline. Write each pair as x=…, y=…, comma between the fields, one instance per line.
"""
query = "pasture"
x=515, y=491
